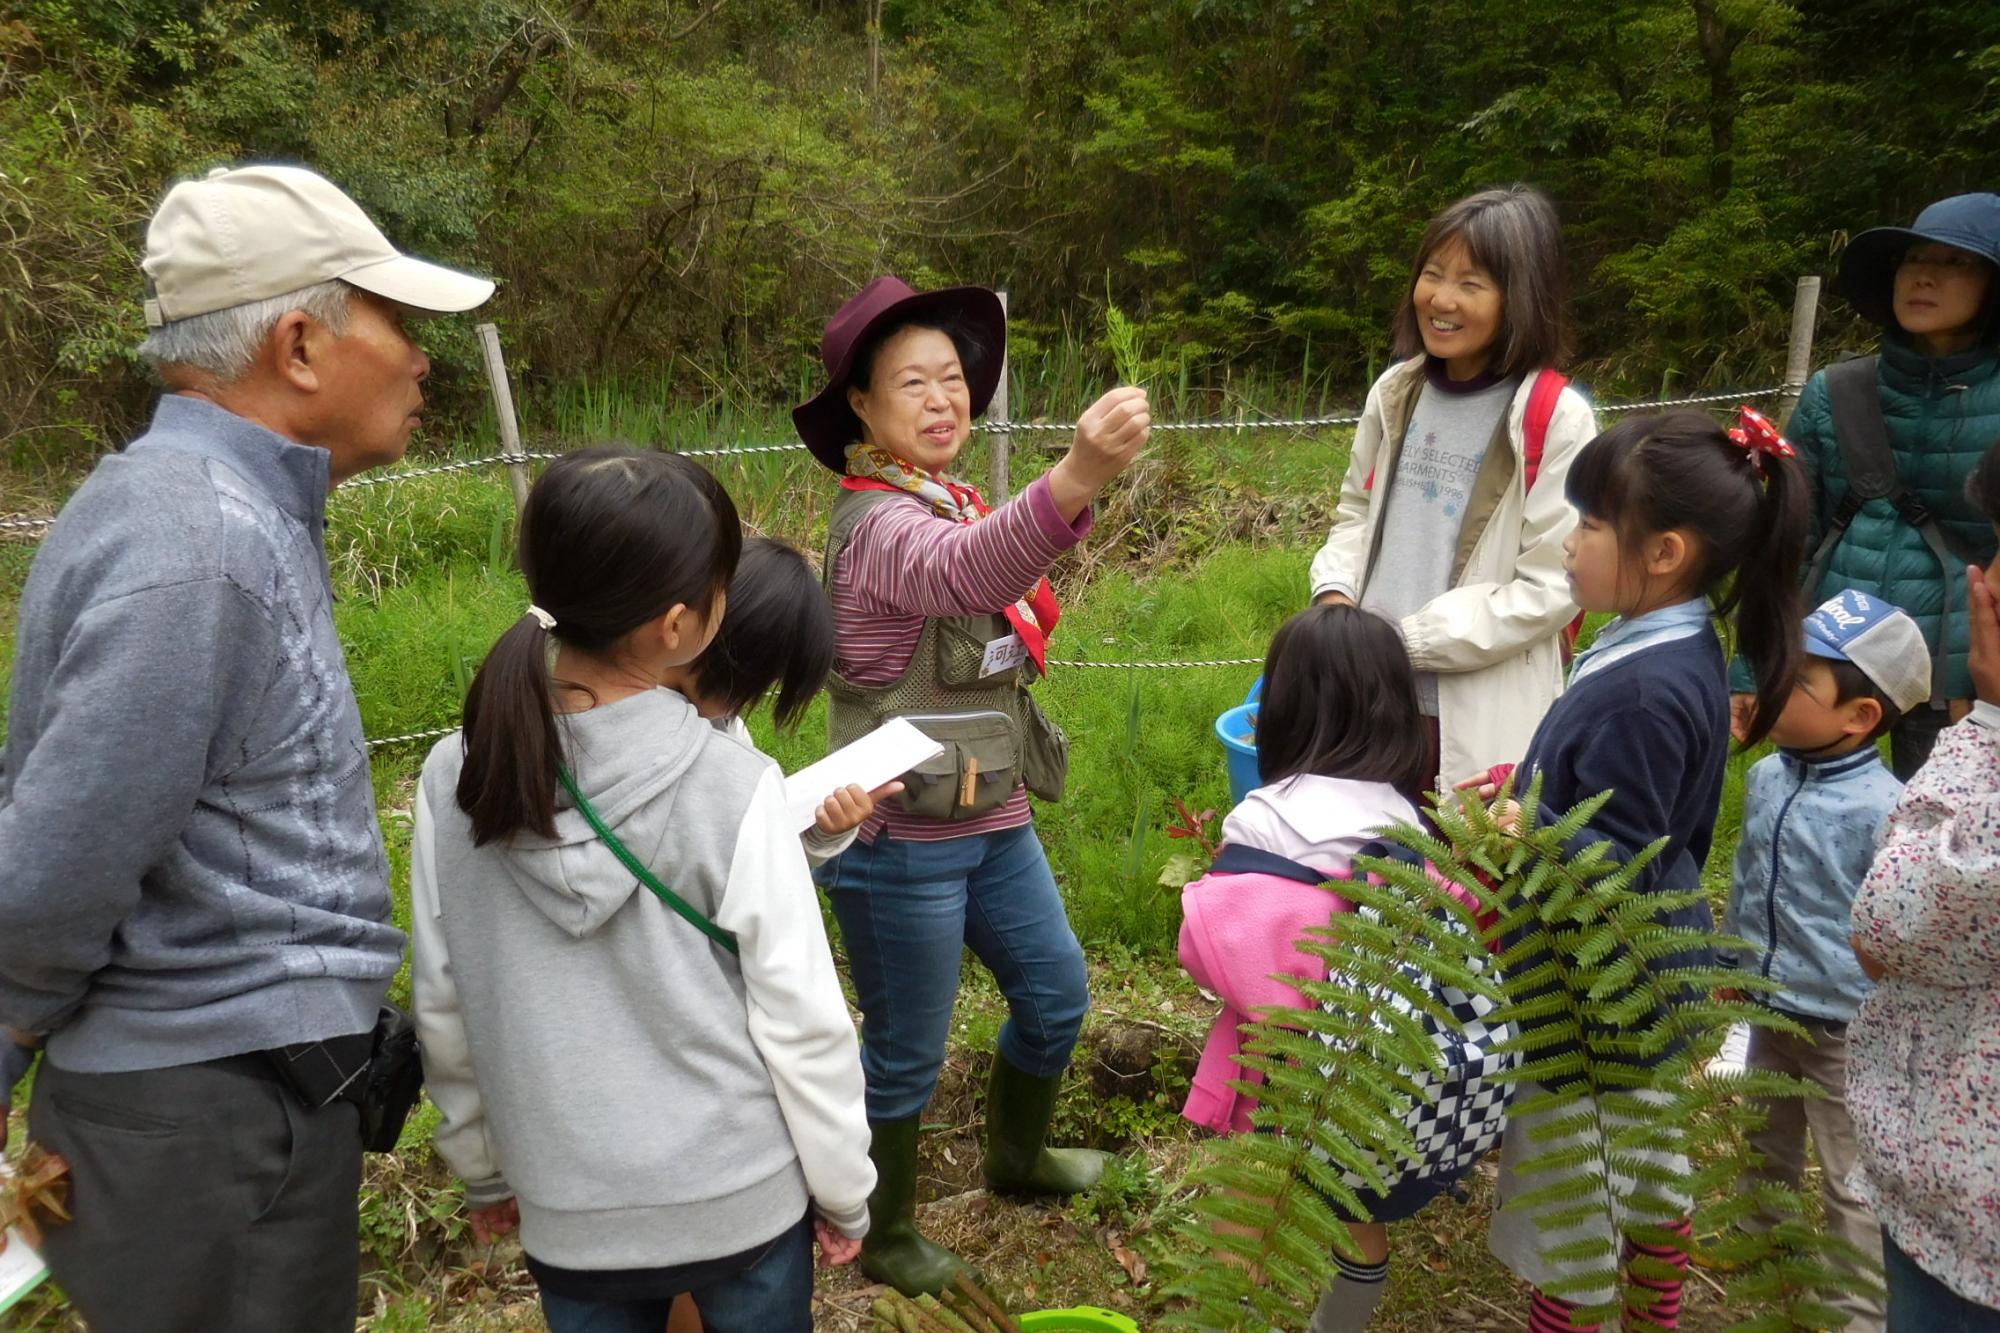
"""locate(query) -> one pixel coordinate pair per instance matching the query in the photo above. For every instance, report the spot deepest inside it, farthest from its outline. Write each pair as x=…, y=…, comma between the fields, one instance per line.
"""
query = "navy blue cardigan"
x=1652, y=729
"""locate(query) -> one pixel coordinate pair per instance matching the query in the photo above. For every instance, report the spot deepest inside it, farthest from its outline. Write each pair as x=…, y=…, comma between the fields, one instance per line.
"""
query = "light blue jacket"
x=1810, y=828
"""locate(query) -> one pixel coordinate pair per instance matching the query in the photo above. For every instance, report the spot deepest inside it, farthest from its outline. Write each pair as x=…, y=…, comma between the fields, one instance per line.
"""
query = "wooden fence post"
x=1003, y=444
x=1798, y=353
x=503, y=410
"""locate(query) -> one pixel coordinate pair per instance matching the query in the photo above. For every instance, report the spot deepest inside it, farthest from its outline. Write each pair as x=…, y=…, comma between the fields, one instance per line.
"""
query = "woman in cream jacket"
x=1495, y=638
x=1449, y=522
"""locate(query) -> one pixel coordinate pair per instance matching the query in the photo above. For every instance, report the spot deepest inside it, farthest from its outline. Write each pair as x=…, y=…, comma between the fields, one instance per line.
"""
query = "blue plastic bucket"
x=1235, y=729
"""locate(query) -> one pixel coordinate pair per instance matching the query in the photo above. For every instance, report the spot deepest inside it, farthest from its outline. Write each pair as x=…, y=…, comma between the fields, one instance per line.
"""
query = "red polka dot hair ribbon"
x=1759, y=437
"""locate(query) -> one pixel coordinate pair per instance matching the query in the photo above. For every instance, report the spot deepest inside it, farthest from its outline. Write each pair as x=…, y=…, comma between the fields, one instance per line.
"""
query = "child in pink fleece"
x=1341, y=749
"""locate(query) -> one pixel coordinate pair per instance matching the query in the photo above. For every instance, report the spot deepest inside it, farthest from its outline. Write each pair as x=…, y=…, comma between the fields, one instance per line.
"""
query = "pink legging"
x=1550, y=1314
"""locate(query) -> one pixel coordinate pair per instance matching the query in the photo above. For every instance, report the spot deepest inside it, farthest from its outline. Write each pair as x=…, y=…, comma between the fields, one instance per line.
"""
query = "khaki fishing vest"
x=995, y=736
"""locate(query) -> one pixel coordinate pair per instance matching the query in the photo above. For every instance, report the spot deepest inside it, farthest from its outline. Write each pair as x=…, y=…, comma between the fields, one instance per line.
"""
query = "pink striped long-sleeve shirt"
x=904, y=564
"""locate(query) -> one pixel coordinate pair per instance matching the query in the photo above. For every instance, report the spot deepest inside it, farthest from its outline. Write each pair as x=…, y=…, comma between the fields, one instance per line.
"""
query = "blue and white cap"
x=1879, y=638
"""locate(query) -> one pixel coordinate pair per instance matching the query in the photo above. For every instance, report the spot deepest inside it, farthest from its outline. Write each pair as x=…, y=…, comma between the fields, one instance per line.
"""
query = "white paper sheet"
x=21, y=1269
x=886, y=753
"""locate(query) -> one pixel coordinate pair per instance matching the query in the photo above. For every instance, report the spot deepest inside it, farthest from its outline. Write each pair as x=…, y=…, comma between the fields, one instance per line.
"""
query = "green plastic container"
x=1082, y=1319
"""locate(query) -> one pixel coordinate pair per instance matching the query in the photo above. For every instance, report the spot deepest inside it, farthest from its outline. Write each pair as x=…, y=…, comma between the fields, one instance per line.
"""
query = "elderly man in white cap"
x=194, y=899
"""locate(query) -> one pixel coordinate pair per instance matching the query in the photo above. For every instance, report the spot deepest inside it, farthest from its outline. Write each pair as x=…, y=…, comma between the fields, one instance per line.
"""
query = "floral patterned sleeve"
x=1929, y=910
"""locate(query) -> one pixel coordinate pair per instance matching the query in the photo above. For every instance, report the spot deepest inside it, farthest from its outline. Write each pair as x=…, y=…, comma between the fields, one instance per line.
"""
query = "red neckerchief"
x=1034, y=617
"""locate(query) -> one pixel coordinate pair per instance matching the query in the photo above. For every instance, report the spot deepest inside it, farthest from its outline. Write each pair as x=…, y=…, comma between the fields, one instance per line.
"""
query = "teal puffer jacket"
x=1942, y=413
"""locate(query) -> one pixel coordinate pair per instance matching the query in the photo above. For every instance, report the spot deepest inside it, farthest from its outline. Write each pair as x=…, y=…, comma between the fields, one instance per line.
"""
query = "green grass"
x=1138, y=738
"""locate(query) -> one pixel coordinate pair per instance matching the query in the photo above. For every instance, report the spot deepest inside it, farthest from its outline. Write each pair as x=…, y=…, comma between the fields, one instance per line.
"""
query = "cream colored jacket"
x=1495, y=639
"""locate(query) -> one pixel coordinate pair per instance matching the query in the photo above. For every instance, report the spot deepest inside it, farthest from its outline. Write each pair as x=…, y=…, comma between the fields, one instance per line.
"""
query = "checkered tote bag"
x=1456, y=1118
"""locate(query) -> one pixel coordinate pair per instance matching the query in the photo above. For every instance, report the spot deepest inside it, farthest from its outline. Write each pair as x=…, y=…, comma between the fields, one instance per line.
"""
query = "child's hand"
x=1507, y=814
x=491, y=1223
x=835, y=1249
x=1742, y=708
x=850, y=807
x=1481, y=788
x=1487, y=785
x=1985, y=621
x=1870, y=964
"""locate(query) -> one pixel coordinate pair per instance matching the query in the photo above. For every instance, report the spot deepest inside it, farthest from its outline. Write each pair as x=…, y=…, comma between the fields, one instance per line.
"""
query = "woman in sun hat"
x=944, y=620
x=1934, y=289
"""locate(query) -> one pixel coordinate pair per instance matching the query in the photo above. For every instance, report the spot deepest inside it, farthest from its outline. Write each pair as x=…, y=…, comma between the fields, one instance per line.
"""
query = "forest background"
x=683, y=191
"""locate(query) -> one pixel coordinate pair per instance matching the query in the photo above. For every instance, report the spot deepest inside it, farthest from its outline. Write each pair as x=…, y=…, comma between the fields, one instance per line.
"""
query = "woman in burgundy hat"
x=943, y=620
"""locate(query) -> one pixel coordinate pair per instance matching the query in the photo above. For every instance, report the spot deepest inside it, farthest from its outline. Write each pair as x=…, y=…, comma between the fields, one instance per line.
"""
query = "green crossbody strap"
x=637, y=867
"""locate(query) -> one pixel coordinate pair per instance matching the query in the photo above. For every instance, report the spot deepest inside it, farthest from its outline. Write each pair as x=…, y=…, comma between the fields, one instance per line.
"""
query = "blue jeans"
x=1919, y=1303
x=908, y=909
x=767, y=1289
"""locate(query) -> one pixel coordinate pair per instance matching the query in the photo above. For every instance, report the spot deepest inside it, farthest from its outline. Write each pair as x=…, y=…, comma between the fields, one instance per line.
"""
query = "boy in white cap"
x=194, y=915
x=1812, y=815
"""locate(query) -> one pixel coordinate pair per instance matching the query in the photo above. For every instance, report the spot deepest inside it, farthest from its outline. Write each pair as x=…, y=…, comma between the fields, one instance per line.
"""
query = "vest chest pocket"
x=978, y=771
x=961, y=652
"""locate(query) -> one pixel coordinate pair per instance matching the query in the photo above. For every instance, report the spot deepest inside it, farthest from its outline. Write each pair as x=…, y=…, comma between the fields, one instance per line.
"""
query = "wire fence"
x=1218, y=425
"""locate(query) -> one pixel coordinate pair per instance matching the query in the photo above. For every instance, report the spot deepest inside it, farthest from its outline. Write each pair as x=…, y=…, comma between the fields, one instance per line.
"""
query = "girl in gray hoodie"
x=637, y=1041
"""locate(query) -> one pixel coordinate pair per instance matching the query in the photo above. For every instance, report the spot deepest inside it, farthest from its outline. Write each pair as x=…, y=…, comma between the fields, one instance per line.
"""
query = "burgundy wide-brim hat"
x=827, y=424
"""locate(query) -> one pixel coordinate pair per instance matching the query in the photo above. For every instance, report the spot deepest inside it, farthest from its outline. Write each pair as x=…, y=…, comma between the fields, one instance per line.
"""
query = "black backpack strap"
x=1851, y=386
x=1236, y=859
x=1864, y=453
x=1871, y=475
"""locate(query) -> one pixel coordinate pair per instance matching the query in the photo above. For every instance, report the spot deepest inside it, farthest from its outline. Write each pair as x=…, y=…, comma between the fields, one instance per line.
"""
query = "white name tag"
x=1003, y=655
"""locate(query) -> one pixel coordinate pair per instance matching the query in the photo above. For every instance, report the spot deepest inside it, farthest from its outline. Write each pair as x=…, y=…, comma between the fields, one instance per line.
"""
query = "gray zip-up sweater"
x=650, y=1098
x=190, y=865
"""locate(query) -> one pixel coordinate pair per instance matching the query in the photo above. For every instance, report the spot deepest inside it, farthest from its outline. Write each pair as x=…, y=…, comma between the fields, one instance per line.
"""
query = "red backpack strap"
x=1542, y=400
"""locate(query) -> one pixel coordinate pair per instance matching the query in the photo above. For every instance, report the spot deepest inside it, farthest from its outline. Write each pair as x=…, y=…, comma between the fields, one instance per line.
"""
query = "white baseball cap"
x=246, y=234
x=1879, y=638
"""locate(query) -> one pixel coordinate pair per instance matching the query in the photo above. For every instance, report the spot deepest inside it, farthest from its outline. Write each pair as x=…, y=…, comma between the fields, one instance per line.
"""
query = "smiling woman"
x=923, y=411
x=942, y=614
x=1456, y=473
x=1458, y=306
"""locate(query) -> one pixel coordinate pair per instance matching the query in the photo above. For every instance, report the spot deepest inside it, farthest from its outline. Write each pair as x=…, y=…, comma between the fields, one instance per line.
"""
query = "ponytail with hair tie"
x=1759, y=438
x=1765, y=593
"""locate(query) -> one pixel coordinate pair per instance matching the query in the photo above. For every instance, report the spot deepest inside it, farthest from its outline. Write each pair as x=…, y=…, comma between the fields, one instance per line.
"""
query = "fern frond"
x=1612, y=1019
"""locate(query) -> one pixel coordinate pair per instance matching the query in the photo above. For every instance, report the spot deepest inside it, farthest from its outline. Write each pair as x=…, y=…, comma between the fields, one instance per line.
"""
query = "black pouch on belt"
x=380, y=1071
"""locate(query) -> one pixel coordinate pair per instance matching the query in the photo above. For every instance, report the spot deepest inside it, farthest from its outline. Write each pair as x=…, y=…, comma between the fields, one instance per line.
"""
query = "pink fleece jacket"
x=1239, y=937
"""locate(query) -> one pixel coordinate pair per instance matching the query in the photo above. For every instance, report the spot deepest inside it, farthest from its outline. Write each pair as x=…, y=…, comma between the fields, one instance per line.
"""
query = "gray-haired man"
x=191, y=874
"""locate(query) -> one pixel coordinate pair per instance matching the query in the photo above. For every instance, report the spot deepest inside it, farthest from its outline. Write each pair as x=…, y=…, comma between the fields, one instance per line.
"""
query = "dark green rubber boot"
x=895, y=1252
x=1018, y=1158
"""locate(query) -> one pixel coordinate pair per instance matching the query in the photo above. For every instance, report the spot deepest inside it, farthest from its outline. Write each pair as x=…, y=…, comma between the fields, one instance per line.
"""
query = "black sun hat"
x=826, y=423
